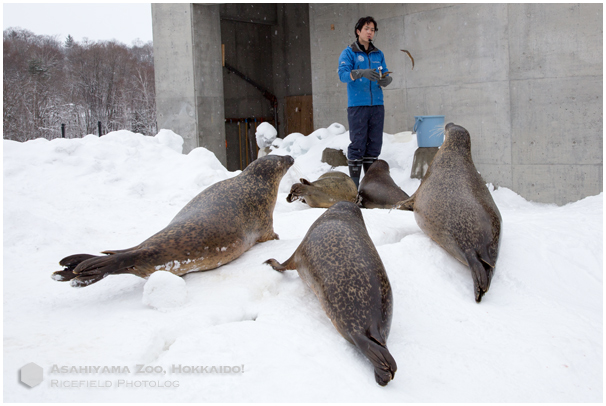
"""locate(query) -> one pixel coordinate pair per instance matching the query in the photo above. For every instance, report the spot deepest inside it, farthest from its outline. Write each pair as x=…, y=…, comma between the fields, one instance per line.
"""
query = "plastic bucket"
x=430, y=130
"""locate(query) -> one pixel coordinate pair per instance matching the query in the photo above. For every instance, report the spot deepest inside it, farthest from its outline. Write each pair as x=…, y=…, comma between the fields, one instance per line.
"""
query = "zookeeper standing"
x=360, y=66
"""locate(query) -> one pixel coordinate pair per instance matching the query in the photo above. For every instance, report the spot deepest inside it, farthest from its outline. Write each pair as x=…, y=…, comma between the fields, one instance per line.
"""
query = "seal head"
x=330, y=188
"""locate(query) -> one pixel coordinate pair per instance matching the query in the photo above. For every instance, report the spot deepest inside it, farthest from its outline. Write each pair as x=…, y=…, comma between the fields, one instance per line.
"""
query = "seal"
x=214, y=228
x=330, y=188
x=378, y=190
x=339, y=262
x=455, y=209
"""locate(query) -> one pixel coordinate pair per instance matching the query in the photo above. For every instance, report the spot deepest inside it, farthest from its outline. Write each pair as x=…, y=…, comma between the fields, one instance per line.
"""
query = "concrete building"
x=231, y=62
x=524, y=79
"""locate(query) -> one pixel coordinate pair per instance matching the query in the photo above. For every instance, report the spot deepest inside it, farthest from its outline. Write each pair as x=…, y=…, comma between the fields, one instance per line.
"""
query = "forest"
x=50, y=82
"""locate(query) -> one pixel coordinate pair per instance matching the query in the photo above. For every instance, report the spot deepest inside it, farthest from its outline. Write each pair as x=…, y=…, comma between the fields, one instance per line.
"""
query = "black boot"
x=355, y=169
x=367, y=161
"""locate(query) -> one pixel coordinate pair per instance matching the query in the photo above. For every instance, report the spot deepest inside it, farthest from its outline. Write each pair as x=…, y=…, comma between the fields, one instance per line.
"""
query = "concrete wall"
x=189, y=85
x=524, y=79
x=208, y=85
x=174, y=70
x=267, y=42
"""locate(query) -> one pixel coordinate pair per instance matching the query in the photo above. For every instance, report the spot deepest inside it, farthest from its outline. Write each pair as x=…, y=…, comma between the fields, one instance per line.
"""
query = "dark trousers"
x=365, y=131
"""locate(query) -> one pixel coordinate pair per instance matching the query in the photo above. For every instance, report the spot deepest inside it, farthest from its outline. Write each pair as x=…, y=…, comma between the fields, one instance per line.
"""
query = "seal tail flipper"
x=288, y=264
x=385, y=365
x=84, y=269
x=481, y=272
x=67, y=274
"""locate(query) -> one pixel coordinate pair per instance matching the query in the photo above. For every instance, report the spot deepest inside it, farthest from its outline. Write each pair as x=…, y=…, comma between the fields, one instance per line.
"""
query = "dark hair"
x=362, y=22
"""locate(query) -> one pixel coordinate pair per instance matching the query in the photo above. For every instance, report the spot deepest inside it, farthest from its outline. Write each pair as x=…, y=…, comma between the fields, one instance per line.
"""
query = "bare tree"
x=47, y=83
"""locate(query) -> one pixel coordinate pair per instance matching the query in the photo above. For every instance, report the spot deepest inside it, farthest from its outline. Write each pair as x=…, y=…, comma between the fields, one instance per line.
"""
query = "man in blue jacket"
x=361, y=66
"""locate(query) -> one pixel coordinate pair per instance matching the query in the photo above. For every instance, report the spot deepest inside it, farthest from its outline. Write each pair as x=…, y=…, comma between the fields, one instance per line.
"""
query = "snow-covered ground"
x=535, y=337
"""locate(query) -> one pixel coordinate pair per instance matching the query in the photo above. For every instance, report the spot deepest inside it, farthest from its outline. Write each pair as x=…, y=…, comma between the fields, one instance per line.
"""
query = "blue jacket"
x=361, y=92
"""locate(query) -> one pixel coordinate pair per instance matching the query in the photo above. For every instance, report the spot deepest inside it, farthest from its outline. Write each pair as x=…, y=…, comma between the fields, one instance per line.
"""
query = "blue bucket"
x=430, y=130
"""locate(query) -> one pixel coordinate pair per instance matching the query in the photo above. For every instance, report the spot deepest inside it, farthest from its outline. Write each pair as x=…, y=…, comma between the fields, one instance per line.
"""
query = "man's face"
x=367, y=33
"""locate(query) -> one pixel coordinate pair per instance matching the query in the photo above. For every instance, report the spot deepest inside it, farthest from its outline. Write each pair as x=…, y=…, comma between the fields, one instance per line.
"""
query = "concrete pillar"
x=189, y=76
x=208, y=83
x=173, y=55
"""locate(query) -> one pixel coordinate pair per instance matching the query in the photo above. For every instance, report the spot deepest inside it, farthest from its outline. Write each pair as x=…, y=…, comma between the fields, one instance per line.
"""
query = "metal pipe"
x=246, y=132
x=240, y=143
x=255, y=143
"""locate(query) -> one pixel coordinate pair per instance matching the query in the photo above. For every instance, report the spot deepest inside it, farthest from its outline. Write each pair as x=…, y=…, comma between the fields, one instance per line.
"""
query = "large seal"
x=455, y=209
x=214, y=228
x=330, y=188
x=338, y=260
x=377, y=188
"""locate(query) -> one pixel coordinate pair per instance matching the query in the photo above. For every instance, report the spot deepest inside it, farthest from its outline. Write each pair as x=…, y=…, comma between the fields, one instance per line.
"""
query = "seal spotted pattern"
x=215, y=227
x=454, y=208
x=339, y=262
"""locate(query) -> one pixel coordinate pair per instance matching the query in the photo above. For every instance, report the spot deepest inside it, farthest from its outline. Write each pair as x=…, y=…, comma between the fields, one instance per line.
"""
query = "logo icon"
x=31, y=374
x=360, y=58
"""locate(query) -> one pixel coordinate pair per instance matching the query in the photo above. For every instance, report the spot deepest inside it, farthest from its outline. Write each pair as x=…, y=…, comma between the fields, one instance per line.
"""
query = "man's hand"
x=369, y=74
x=385, y=81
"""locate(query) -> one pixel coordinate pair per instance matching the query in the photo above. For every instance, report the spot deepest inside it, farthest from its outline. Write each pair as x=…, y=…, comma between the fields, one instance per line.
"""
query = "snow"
x=265, y=134
x=535, y=337
x=164, y=290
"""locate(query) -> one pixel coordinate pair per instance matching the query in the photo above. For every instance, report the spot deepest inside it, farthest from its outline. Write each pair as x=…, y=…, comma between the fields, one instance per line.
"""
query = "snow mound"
x=164, y=290
x=336, y=128
x=265, y=134
x=171, y=140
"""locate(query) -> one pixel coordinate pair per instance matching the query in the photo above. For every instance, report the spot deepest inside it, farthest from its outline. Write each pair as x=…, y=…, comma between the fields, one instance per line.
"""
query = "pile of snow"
x=164, y=290
x=265, y=134
x=246, y=333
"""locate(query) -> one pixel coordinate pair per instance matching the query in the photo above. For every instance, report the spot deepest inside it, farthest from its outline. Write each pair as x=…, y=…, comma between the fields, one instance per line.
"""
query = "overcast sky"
x=96, y=21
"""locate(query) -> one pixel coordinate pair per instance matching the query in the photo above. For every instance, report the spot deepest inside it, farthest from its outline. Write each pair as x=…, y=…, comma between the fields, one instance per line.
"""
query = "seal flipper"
x=71, y=262
x=481, y=272
x=84, y=269
x=408, y=204
x=289, y=264
x=379, y=355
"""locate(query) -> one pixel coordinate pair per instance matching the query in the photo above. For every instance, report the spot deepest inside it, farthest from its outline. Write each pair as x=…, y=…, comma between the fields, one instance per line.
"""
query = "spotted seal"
x=330, y=188
x=214, y=228
x=454, y=208
x=338, y=260
x=377, y=188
